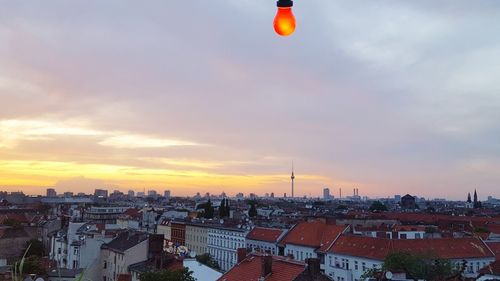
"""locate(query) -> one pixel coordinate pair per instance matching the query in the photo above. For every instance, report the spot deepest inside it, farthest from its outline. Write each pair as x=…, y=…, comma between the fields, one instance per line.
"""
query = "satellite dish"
x=39, y=279
x=388, y=275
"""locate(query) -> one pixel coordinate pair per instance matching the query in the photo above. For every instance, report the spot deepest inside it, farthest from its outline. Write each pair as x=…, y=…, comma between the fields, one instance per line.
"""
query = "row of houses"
x=343, y=253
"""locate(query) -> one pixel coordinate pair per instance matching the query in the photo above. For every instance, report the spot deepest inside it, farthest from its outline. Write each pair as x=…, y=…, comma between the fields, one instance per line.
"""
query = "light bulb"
x=284, y=22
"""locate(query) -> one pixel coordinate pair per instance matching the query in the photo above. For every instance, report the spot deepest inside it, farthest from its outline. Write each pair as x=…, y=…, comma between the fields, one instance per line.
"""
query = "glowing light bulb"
x=284, y=22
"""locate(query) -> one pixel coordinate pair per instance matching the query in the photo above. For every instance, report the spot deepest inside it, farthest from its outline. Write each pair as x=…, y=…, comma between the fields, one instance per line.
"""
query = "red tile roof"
x=378, y=248
x=491, y=269
x=249, y=269
x=361, y=246
x=315, y=234
x=495, y=248
x=446, y=248
x=265, y=234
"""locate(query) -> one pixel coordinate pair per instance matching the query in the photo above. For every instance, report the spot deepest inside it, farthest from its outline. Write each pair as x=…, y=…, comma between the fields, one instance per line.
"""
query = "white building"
x=223, y=243
x=350, y=256
x=126, y=249
x=79, y=247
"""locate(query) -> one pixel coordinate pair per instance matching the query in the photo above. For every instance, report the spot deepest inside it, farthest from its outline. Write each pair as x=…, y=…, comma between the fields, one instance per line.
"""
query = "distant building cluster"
x=118, y=236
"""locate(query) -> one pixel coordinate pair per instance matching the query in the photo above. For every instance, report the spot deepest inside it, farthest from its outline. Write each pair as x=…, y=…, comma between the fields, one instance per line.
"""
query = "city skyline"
x=389, y=97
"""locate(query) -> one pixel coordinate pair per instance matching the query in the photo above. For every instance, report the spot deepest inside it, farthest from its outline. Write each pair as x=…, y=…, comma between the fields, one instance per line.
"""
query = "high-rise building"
x=131, y=193
x=51, y=192
x=152, y=193
x=68, y=194
x=326, y=193
x=102, y=193
x=293, y=179
x=166, y=194
x=140, y=194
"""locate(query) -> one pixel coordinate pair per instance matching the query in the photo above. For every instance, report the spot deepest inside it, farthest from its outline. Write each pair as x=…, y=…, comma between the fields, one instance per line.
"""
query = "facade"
x=178, y=233
x=261, y=239
x=165, y=229
x=101, y=193
x=51, y=192
x=104, y=214
x=350, y=256
x=79, y=248
x=223, y=243
x=326, y=194
x=197, y=238
x=408, y=202
x=126, y=249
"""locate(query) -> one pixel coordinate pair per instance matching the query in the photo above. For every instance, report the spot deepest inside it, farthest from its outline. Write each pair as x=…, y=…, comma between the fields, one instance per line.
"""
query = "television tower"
x=293, y=178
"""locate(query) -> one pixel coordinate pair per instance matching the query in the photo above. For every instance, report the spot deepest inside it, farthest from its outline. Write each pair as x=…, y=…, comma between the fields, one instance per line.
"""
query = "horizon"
x=389, y=97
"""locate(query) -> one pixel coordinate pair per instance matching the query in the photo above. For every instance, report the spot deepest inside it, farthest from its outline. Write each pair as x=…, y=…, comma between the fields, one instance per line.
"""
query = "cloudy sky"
x=391, y=97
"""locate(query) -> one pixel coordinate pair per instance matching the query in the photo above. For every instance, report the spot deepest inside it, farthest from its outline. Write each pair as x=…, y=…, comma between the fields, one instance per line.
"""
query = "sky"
x=391, y=97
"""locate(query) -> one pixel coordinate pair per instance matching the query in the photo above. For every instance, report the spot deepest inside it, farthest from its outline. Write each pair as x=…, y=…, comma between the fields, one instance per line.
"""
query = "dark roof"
x=125, y=241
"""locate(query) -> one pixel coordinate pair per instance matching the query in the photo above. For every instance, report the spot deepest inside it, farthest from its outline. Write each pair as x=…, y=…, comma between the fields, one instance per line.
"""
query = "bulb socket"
x=284, y=3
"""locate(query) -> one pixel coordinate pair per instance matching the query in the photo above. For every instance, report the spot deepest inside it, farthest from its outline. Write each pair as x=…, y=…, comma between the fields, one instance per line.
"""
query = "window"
x=105, y=265
x=417, y=236
x=363, y=266
x=402, y=236
x=75, y=251
x=356, y=265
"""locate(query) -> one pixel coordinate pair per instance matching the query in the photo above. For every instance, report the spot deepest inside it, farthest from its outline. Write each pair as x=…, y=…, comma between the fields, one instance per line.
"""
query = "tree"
x=209, y=210
x=222, y=208
x=168, y=275
x=32, y=265
x=227, y=209
x=34, y=247
x=378, y=206
x=416, y=266
x=207, y=260
x=252, y=212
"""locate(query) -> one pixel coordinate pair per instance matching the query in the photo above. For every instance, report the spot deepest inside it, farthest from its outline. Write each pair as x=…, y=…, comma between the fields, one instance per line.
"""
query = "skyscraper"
x=326, y=193
x=51, y=192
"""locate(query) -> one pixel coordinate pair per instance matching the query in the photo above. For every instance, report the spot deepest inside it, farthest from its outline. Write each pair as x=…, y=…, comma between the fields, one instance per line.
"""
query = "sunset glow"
x=206, y=97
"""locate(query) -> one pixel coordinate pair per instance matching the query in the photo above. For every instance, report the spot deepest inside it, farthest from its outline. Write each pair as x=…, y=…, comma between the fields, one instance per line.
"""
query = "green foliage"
x=378, y=206
x=481, y=230
x=209, y=210
x=418, y=265
x=224, y=209
x=11, y=222
x=32, y=265
x=252, y=212
x=207, y=260
x=167, y=275
x=430, y=229
x=34, y=247
x=341, y=208
x=17, y=272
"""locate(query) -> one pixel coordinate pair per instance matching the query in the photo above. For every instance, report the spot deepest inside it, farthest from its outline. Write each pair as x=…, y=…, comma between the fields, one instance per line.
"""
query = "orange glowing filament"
x=284, y=22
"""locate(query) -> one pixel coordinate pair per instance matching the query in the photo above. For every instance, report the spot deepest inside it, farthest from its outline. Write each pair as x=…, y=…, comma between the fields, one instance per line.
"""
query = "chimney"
x=354, y=192
x=241, y=254
x=313, y=266
x=267, y=265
